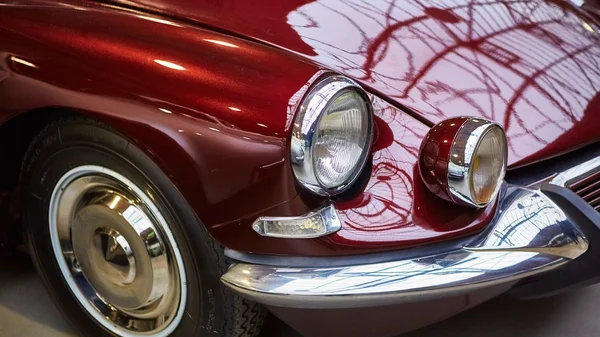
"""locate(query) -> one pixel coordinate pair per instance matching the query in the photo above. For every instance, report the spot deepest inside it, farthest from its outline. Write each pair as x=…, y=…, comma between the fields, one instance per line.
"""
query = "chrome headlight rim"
x=306, y=123
x=464, y=148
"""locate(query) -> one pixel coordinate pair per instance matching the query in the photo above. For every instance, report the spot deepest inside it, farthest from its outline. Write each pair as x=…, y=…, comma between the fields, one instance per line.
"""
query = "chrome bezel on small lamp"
x=306, y=123
x=464, y=147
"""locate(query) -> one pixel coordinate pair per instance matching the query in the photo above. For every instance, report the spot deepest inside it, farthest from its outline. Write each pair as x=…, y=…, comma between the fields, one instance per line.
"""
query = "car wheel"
x=118, y=247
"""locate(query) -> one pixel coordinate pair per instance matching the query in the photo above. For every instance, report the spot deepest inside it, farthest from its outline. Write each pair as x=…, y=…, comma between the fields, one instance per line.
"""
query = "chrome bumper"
x=529, y=235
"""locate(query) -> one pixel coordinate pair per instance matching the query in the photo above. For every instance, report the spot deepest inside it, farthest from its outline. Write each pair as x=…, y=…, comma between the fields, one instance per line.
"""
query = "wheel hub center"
x=116, y=252
x=119, y=252
x=114, y=256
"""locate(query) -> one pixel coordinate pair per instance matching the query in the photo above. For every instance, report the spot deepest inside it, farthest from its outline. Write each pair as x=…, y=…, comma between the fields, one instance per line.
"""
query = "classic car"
x=354, y=167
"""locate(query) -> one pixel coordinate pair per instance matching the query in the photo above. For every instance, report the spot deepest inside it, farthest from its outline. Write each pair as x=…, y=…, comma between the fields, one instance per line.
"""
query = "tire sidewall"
x=62, y=148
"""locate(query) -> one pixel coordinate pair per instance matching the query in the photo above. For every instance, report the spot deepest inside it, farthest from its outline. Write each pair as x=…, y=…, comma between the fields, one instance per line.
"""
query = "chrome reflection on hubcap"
x=116, y=252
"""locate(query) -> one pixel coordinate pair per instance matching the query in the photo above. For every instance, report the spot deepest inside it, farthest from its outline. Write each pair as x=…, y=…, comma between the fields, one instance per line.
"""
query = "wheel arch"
x=174, y=145
x=211, y=110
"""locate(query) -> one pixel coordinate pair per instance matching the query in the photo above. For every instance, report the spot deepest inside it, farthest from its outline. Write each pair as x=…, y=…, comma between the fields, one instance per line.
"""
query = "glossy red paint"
x=396, y=206
x=531, y=66
x=395, y=209
x=435, y=156
x=214, y=111
x=217, y=128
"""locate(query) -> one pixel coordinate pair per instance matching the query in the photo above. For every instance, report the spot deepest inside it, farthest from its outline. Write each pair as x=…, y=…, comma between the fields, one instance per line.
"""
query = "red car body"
x=209, y=89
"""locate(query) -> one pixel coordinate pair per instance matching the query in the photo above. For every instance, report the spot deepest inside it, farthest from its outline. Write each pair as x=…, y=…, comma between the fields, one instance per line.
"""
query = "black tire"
x=211, y=309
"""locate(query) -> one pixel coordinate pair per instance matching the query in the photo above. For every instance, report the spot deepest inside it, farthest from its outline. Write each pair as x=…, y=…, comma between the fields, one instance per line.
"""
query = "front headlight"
x=331, y=136
x=488, y=166
x=464, y=159
x=477, y=165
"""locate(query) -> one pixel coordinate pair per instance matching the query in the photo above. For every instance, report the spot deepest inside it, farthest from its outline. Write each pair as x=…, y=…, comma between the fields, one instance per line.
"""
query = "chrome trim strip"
x=327, y=215
x=529, y=235
x=575, y=173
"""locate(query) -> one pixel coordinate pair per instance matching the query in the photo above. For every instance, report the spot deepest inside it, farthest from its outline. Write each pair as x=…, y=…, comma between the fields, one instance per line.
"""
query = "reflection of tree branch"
x=390, y=191
x=367, y=8
x=524, y=63
x=530, y=81
x=459, y=44
x=352, y=22
x=577, y=64
x=382, y=38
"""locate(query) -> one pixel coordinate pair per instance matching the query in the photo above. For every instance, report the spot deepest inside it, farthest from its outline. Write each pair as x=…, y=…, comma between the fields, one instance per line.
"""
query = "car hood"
x=531, y=66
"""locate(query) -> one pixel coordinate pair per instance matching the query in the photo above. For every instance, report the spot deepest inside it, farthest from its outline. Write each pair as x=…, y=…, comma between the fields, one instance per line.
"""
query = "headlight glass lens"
x=341, y=140
x=488, y=166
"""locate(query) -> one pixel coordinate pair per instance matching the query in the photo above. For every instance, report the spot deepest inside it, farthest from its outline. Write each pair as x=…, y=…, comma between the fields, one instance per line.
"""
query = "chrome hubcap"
x=116, y=252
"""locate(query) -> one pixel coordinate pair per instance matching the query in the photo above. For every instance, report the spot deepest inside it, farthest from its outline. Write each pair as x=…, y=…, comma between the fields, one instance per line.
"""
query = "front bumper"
x=529, y=235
